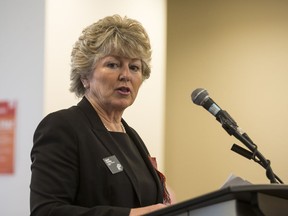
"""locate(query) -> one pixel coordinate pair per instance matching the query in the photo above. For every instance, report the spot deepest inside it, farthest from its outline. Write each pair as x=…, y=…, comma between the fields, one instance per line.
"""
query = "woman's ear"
x=85, y=83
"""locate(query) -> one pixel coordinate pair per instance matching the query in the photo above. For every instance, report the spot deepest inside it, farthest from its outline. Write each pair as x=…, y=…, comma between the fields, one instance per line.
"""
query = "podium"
x=242, y=200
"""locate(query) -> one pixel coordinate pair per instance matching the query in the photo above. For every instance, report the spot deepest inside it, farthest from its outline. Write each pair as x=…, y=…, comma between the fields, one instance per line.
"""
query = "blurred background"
x=238, y=51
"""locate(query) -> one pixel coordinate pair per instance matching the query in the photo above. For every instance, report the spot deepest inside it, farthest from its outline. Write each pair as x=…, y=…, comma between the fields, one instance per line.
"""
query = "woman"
x=86, y=160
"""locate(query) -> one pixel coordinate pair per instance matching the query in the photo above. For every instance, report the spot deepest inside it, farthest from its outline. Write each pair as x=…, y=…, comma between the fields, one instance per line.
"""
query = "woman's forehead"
x=118, y=57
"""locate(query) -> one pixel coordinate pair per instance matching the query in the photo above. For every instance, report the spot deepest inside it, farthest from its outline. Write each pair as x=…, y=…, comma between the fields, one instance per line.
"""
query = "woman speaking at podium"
x=86, y=160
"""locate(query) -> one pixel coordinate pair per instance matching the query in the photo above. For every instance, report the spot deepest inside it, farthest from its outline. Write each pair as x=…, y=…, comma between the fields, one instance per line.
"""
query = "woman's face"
x=115, y=82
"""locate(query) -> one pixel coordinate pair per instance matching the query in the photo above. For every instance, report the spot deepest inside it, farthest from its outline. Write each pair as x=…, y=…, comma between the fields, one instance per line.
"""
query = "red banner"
x=7, y=136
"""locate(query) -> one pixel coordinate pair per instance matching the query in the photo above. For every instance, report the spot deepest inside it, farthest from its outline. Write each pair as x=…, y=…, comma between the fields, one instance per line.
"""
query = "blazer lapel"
x=145, y=156
x=104, y=136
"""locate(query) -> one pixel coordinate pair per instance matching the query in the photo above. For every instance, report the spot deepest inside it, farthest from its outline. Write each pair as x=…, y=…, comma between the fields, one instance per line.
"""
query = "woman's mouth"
x=124, y=90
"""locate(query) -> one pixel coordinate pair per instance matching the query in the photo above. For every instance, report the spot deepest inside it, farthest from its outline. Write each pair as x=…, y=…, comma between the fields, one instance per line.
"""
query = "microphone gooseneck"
x=201, y=97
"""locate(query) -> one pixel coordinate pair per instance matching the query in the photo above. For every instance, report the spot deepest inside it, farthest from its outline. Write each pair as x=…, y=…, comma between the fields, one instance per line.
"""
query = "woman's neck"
x=110, y=119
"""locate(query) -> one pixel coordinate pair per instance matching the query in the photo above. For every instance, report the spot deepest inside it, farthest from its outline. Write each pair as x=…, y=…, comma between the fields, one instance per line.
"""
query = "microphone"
x=201, y=97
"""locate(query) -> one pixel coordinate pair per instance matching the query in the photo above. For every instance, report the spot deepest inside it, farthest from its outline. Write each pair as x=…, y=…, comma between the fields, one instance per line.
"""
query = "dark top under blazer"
x=69, y=177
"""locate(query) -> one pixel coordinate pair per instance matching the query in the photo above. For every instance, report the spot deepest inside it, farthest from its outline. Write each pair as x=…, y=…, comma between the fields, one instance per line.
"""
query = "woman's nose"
x=125, y=73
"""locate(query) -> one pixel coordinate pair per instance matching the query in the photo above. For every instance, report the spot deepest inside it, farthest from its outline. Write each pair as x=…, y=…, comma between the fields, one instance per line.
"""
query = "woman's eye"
x=134, y=68
x=112, y=65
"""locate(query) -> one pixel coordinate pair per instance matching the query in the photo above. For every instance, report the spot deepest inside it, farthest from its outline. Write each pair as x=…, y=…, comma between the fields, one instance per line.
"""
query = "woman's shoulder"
x=73, y=111
x=62, y=113
x=63, y=117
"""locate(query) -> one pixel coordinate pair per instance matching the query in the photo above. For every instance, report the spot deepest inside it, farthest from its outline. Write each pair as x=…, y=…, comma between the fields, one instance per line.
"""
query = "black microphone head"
x=199, y=96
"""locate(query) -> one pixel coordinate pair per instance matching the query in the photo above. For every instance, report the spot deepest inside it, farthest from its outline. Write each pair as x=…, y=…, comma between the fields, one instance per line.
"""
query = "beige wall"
x=239, y=53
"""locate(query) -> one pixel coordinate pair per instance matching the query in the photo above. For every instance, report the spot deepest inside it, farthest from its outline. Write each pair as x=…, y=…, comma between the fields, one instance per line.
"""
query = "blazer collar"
x=105, y=137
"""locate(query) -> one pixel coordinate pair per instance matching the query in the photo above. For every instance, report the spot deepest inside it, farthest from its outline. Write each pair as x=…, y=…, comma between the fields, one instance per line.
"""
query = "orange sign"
x=7, y=136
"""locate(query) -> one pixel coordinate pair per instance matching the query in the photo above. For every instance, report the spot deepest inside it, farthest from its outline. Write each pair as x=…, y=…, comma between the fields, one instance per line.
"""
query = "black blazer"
x=69, y=176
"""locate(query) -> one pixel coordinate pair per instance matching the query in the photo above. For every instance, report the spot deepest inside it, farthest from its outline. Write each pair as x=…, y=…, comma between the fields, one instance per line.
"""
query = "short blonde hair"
x=111, y=35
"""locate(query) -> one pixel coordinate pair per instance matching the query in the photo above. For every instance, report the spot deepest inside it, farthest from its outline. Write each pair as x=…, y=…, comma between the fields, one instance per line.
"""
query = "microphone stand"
x=232, y=129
